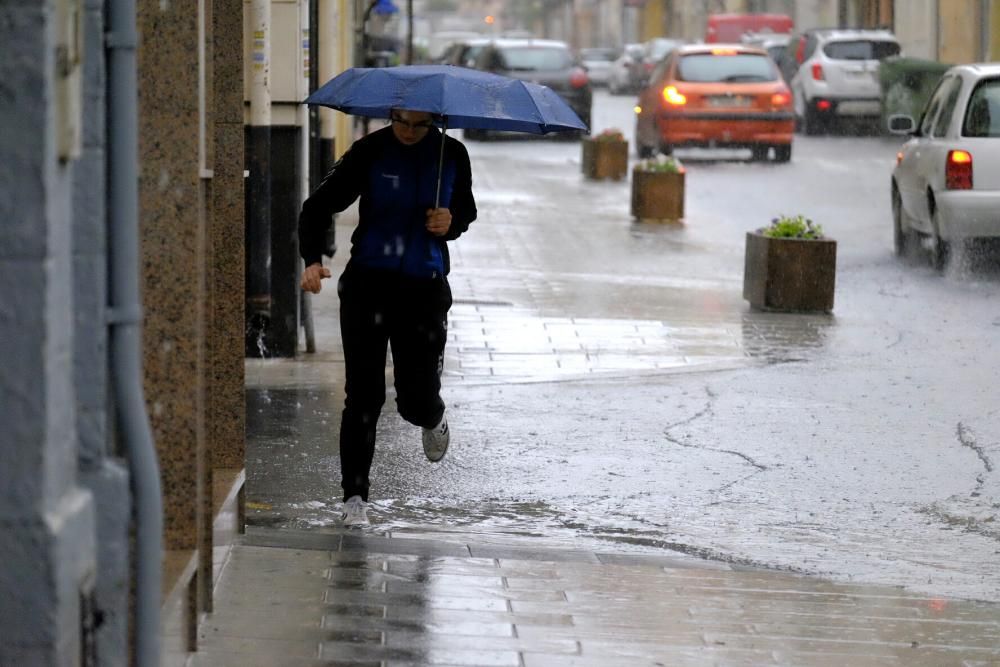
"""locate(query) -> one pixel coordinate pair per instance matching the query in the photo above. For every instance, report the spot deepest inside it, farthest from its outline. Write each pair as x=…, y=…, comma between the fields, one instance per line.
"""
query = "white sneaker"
x=355, y=512
x=436, y=440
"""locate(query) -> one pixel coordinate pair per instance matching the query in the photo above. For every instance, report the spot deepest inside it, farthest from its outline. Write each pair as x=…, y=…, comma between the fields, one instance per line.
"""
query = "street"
x=609, y=389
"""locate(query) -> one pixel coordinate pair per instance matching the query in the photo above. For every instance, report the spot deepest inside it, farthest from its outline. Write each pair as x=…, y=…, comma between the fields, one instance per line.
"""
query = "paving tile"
x=435, y=625
x=451, y=566
x=388, y=545
x=457, y=590
x=219, y=659
x=445, y=615
x=527, y=554
x=254, y=624
x=425, y=656
x=659, y=561
x=410, y=604
x=274, y=649
x=416, y=601
x=445, y=641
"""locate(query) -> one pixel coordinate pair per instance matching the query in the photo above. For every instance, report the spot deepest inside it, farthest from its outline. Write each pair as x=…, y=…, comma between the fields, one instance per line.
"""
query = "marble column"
x=173, y=236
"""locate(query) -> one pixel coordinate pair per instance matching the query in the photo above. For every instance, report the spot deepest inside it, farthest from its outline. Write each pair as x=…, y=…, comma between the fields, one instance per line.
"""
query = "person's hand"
x=312, y=276
x=438, y=221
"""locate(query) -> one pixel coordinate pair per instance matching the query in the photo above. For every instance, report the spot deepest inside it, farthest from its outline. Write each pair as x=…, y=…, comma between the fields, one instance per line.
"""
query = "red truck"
x=728, y=28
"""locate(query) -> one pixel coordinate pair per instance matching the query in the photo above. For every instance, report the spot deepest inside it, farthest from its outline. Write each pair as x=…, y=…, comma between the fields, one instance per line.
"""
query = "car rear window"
x=714, y=68
x=535, y=58
x=861, y=49
x=982, y=117
x=606, y=55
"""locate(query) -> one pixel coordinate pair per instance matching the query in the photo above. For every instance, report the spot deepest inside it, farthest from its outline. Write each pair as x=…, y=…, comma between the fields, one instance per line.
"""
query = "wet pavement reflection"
x=642, y=467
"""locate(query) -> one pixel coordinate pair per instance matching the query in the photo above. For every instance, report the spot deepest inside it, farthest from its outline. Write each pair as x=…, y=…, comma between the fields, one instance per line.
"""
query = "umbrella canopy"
x=466, y=98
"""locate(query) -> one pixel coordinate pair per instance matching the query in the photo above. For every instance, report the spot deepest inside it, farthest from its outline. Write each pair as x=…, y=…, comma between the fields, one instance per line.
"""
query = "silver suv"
x=837, y=77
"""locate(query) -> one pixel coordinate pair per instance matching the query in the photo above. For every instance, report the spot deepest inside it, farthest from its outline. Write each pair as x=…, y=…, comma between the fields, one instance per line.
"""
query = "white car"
x=838, y=77
x=946, y=183
x=620, y=75
x=598, y=63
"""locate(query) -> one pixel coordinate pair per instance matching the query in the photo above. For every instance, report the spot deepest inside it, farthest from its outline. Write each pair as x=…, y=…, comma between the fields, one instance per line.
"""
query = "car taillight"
x=817, y=71
x=781, y=100
x=899, y=157
x=578, y=79
x=958, y=171
x=823, y=105
x=673, y=97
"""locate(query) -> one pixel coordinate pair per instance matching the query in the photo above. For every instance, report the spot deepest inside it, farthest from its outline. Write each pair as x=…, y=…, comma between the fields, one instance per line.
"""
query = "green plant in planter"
x=787, y=227
x=665, y=164
x=612, y=134
x=782, y=274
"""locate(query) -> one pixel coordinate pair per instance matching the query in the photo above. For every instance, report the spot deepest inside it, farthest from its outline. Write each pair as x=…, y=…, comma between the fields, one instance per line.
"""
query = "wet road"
x=609, y=388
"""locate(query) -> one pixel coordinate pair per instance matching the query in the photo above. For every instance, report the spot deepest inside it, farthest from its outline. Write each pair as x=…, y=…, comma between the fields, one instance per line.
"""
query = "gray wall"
x=46, y=519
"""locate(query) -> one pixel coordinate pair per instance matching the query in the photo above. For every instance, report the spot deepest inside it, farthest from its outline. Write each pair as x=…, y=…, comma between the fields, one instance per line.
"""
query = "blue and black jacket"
x=396, y=184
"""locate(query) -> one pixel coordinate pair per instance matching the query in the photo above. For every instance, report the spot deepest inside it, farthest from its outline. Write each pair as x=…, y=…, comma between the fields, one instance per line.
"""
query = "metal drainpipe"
x=125, y=319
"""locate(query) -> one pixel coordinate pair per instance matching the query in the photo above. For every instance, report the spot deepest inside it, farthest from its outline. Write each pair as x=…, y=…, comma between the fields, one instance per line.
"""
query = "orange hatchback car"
x=715, y=95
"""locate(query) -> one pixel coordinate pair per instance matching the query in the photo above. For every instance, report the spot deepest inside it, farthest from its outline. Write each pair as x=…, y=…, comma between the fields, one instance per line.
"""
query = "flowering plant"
x=663, y=164
x=610, y=134
x=788, y=227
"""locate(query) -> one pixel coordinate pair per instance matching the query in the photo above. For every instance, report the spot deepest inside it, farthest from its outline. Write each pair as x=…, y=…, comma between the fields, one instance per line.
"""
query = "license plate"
x=728, y=101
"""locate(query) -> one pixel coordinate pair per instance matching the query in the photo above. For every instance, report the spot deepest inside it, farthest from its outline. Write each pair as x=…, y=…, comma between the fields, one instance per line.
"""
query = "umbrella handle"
x=437, y=194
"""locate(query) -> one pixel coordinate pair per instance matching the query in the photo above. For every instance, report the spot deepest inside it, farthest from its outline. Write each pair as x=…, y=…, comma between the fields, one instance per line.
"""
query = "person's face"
x=410, y=126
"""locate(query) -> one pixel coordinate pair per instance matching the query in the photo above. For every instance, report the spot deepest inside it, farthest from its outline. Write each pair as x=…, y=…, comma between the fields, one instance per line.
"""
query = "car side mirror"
x=902, y=124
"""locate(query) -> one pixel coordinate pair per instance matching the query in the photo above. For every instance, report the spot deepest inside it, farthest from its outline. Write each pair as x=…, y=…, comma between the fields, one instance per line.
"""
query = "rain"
x=608, y=388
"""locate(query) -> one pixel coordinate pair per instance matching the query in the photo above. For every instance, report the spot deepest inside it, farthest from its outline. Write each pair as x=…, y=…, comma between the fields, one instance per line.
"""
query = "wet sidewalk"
x=536, y=542
x=344, y=598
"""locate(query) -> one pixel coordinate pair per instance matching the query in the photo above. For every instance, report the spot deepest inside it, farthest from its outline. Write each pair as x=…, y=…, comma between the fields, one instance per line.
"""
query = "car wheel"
x=666, y=149
x=783, y=153
x=901, y=232
x=940, y=248
x=759, y=153
x=812, y=123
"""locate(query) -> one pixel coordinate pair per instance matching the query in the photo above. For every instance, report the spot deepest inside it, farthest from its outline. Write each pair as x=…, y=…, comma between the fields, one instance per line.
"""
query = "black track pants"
x=410, y=315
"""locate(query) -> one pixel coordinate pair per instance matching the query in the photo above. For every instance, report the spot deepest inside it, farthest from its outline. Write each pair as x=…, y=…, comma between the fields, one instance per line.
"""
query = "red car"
x=725, y=96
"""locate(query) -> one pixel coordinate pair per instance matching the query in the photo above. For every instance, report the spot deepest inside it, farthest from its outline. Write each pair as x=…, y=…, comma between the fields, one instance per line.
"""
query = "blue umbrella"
x=462, y=97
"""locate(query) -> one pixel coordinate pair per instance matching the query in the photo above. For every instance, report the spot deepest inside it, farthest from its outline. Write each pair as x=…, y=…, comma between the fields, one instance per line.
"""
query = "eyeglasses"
x=421, y=126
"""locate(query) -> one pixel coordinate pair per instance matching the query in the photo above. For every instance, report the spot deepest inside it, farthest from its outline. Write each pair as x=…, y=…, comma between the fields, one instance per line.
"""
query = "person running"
x=394, y=290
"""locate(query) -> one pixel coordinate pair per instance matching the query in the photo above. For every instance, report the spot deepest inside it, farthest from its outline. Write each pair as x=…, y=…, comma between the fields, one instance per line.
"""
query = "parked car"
x=620, y=77
x=946, y=183
x=546, y=61
x=439, y=42
x=723, y=28
x=716, y=96
x=464, y=53
x=838, y=77
x=653, y=52
x=598, y=61
x=774, y=44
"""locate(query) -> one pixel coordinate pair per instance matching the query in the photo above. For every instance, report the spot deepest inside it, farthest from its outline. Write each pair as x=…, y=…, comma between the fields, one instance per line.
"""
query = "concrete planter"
x=792, y=275
x=604, y=159
x=657, y=195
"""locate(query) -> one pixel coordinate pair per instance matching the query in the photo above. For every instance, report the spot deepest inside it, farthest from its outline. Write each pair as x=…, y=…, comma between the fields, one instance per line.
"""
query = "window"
x=709, y=68
x=933, y=107
x=861, y=49
x=982, y=116
x=531, y=59
x=951, y=90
